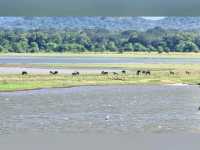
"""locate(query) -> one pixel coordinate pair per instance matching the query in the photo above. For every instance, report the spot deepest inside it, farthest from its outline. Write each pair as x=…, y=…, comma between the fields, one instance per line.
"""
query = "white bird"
x=107, y=117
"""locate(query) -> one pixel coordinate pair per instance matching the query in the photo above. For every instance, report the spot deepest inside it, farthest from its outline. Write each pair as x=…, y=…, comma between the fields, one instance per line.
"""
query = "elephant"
x=53, y=72
x=24, y=72
x=75, y=73
x=104, y=73
x=172, y=73
x=124, y=71
x=148, y=72
x=138, y=72
x=187, y=72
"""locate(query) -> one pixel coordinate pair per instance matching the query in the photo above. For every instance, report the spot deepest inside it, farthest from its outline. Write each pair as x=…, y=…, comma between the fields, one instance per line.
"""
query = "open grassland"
x=14, y=82
x=111, y=54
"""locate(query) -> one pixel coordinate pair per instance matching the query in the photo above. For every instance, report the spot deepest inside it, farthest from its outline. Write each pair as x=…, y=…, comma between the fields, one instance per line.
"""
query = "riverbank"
x=110, y=54
x=13, y=82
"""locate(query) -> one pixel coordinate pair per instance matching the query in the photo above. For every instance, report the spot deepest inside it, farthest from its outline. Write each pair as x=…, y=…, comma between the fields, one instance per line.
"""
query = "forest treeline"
x=99, y=40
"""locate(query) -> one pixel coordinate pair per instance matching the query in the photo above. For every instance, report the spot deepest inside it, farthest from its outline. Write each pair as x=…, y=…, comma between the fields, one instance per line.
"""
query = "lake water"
x=72, y=60
x=102, y=109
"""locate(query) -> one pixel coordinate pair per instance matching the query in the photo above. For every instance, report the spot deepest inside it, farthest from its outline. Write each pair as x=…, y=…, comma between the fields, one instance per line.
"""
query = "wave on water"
x=179, y=84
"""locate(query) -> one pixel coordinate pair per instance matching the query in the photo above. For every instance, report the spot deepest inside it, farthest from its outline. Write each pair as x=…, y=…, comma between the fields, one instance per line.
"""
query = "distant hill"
x=110, y=23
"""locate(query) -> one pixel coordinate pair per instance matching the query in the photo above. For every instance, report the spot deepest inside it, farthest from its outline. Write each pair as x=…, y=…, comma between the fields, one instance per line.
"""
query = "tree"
x=55, y=38
x=128, y=47
x=172, y=41
x=99, y=47
x=150, y=48
x=187, y=46
x=51, y=46
x=41, y=39
x=197, y=41
x=20, y=47
x=61, y=40
x=33, y=47
x=6, y=44
x=82, y=39
x=139, y=47
x=1, y=48
x=17, y=48
x=111, y=46
x=133, y=38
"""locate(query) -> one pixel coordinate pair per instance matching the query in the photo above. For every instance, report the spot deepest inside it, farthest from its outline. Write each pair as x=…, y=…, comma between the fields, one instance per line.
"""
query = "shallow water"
x=102, y=109
x=90, y=60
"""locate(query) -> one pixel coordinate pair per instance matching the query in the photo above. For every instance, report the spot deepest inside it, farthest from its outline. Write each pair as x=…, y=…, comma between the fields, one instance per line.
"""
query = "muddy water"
x=102, y=109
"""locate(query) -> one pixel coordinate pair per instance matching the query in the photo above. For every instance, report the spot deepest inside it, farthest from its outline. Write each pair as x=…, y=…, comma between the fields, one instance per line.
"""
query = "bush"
x=160, y=51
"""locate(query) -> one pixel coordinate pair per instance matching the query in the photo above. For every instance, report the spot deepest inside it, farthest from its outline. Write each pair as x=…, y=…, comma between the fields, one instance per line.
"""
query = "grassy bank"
x=19, y=82
x=109, y=54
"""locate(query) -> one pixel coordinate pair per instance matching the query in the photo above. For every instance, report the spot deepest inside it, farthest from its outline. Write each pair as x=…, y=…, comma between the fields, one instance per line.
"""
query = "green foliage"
x=33, y=47
x=98, y=40
x=1, y=48
x=51, y=46
x=139, y=47
x=111, y=46
x=187, y=46
x=128, y=47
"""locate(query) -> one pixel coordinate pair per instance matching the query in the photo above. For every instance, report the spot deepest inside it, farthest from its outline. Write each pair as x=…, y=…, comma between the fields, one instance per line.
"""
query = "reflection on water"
x=102, y=109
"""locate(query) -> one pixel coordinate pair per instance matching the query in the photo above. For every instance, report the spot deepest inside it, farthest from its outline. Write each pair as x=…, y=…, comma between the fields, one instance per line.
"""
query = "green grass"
x=19, y=82
x=110, y=54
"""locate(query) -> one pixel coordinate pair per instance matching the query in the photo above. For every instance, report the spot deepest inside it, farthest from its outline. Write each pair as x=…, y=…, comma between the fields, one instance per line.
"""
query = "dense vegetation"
x=156, y=39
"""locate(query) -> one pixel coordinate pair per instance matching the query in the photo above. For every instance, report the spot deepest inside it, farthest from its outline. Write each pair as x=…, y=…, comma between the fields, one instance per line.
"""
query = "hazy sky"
x=99, y=7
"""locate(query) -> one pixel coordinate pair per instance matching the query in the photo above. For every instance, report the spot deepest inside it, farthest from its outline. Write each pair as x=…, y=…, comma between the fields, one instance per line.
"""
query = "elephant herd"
x=52, y=73
x=76, y=73
x=173, y=73
x=144, y=72
x=138, y=72
x=114, y=73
